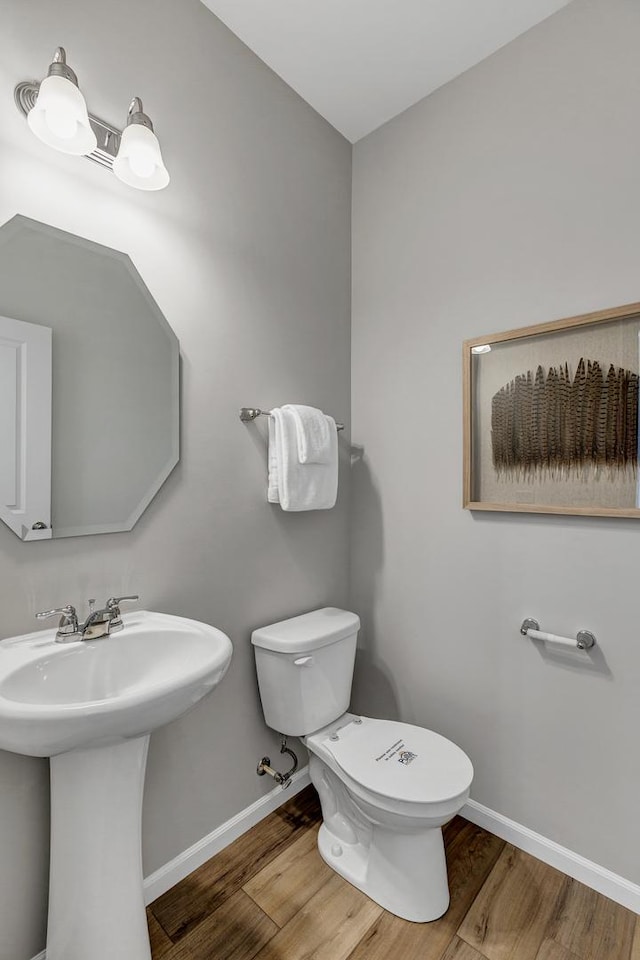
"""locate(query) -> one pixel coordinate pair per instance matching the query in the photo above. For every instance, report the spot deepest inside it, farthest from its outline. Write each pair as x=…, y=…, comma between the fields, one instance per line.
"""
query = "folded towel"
x=313, y=428
x=273, y=492
x=298, y=486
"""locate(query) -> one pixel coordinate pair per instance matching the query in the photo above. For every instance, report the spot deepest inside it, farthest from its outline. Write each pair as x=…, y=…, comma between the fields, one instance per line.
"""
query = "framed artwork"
x=551, y=417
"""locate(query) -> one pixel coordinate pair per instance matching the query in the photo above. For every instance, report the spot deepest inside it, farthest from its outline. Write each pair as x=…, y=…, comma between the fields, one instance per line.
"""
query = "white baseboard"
x=591, y=874
x=189, y=860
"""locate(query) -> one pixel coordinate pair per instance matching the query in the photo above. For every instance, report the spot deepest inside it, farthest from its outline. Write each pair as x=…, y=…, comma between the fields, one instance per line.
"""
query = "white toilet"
x=386, y=788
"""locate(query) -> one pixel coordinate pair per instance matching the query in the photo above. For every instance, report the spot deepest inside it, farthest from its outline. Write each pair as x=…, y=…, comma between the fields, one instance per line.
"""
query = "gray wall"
x=509, y=197
x=247, y=254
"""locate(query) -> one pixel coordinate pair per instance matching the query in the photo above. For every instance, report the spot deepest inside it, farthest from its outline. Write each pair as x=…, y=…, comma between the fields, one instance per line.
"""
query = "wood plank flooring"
x=269, y=896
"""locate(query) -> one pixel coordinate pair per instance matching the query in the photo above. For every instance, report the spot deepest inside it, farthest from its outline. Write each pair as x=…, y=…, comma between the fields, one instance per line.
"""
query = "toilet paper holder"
x=584, y=639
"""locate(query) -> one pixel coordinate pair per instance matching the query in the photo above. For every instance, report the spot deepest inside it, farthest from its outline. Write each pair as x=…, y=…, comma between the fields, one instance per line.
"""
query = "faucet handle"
x=113, y=604
x=66, y=611
x=68, y=626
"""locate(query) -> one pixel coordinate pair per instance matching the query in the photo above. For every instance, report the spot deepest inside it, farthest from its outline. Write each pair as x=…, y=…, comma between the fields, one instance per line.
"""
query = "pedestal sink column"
x=96, y=900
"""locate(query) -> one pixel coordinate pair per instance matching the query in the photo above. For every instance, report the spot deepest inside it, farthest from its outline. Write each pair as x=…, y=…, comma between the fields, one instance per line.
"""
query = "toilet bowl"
x=386, y=788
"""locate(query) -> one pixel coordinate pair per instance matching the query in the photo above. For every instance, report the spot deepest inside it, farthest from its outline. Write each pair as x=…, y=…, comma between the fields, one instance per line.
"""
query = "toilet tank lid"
x=307, y=632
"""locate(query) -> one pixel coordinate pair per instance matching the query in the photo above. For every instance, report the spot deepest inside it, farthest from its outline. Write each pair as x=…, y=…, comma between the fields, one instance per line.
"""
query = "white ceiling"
x=361, y=62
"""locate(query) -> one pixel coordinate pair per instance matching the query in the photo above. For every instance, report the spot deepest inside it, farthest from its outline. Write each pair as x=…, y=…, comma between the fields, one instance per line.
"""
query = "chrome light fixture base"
x=25, y=95
x=60, y=68
x=137, y=115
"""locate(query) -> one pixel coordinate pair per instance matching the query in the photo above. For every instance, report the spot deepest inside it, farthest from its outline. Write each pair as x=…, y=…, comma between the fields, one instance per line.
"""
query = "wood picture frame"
x=586, y=470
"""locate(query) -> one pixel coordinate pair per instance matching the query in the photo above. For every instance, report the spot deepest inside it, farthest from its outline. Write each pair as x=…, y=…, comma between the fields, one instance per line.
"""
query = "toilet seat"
x=399, y=761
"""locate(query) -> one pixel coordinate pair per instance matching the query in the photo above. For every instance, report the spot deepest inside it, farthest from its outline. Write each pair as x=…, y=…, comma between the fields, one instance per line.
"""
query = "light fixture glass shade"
x=59, y=117
x=139, y=162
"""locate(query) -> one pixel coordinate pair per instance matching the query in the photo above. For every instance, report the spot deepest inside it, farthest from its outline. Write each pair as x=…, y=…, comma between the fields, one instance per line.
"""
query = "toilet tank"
x=305, y=669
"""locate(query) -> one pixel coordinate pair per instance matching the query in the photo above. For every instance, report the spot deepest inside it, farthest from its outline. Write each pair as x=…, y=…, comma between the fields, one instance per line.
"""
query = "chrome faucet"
x=99, y=623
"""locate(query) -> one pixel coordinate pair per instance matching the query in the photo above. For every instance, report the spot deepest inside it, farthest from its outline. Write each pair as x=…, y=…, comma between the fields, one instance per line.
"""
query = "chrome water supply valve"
x=284, y=779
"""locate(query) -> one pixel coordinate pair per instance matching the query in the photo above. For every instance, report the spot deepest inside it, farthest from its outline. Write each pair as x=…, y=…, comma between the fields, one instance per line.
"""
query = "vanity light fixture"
x=139, y=161
x=57, y=114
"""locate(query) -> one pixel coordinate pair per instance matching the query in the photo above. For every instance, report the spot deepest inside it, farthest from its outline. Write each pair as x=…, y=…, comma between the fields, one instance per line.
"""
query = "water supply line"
x=283, y=779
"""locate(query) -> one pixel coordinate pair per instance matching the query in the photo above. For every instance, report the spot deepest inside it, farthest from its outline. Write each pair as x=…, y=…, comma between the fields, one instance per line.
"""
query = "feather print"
x=508, y=427
x=577, y=403
x=543, y=429
x=612, y=413
x=527, y=397
x=631, y=440
x=495, y=438
x=593, y=392
x=564, y=422
x=553, y=433
x=600, y=453
x=536, y=405
x=518, y=420
x=548, y=422
x=568, y=437
x=496, y=431
x=621, y=415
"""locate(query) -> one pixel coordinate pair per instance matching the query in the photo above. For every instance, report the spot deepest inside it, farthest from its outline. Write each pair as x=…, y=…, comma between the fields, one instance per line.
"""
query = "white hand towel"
x=273, y=492
x=313, y=428
x=300, y=486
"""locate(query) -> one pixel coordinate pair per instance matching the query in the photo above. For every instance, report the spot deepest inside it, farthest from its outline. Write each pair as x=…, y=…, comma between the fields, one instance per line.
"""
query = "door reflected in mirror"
x=112, y=386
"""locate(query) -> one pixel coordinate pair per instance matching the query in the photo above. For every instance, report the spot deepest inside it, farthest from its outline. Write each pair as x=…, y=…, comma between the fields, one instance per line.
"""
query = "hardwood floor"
x=269, y=896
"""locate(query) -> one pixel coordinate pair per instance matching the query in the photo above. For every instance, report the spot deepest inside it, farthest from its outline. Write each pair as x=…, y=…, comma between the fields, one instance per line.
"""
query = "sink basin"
x=90, y=706
x=56, y=697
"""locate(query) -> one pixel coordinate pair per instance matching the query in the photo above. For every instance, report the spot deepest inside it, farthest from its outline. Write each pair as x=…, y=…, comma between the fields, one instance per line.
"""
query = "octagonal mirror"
x=89, y=386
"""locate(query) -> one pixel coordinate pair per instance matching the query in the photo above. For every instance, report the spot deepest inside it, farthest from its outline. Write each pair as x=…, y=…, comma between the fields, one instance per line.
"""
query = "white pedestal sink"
x=90, y=706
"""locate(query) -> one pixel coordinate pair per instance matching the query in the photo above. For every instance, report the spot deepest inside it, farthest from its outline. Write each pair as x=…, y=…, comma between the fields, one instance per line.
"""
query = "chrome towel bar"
x=247, y=414
x=583, y=640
